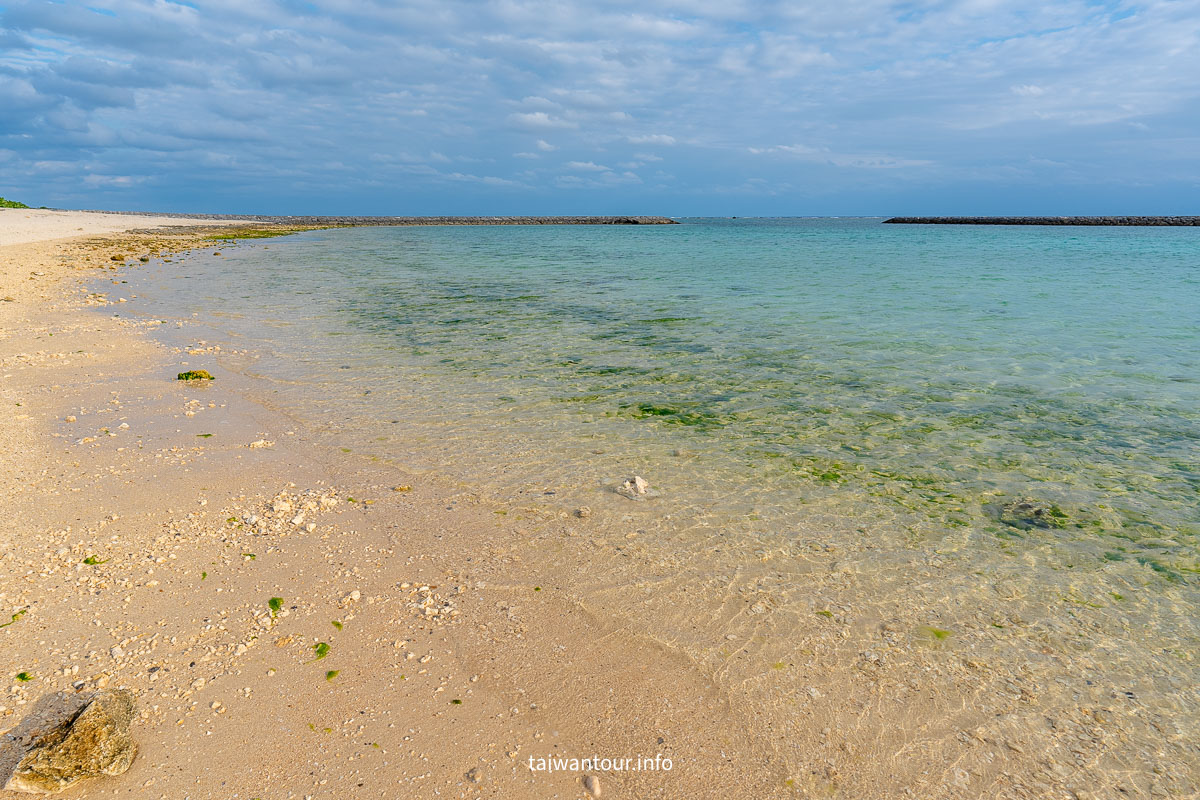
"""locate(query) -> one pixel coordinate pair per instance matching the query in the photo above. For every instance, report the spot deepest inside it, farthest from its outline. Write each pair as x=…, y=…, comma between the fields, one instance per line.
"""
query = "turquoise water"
x=837, y=419
x=943, y=370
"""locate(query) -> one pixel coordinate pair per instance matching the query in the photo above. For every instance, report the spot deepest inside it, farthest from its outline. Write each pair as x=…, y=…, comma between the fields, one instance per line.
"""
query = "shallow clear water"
x=833, y=415
x=942, y=368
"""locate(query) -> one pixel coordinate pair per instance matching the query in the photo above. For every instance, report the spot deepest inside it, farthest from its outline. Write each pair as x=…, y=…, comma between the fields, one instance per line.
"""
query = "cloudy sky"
x=655, y=106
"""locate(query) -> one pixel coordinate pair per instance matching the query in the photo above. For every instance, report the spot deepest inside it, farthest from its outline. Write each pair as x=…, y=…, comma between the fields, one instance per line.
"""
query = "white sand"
x=21, y=226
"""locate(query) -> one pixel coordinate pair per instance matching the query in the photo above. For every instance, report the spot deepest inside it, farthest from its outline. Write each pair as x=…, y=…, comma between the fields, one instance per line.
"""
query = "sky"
x=676, y=107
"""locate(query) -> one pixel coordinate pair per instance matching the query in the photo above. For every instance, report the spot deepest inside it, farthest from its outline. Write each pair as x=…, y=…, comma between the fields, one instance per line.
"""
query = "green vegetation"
x=11, y=204
x=935, y=634
x=15, y=617
x=194, y=375
x=321, y=649
x=92, y=561
x=24, y=677
x=275, y=604
x=333, y=673
x=337, y=624
x=673, y=415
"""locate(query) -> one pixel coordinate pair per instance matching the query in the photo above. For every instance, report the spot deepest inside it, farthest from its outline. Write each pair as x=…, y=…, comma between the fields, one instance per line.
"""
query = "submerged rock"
x=1028, y=513
x=66, y=738
x=634, y=487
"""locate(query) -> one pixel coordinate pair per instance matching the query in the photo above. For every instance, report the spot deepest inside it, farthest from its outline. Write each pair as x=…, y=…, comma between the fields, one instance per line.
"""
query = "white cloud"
x=654, y=138
x=114, y=181
x=540, y=120
x=822, y=155
x=586, y=166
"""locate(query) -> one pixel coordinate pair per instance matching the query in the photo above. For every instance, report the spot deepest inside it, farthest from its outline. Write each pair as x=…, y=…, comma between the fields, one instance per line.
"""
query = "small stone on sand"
x=634, y=487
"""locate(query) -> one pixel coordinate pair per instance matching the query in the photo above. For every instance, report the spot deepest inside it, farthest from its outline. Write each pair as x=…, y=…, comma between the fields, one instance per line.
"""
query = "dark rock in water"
x=67, y=738
x=1028, y=513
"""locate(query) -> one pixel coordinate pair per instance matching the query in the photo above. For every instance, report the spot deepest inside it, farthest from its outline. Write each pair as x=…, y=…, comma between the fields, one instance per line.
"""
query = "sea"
x=931, y=445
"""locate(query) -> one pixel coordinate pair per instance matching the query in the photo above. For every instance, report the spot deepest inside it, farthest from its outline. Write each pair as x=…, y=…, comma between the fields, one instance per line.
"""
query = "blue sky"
x=682, y=107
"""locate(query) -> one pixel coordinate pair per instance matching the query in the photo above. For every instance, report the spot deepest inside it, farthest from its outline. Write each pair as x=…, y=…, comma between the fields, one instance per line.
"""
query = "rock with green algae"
x=194, y=375
x=66, y=738
x=1029, y=513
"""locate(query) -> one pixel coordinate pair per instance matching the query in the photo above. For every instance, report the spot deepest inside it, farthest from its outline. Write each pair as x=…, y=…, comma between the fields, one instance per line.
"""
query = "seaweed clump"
x=1028, y=513
x=194, y=375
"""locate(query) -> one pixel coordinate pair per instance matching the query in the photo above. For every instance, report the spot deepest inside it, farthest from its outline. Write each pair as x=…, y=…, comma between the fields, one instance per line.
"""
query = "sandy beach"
x=296, y=620
x=151, y=521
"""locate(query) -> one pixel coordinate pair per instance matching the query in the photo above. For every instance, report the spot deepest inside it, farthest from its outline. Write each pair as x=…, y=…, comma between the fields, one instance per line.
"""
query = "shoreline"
x=153, y=519
x=830, y=662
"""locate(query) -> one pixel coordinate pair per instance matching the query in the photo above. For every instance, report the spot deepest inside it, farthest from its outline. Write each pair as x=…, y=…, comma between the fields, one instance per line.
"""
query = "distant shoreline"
x=361, y=221
x=1116, y=221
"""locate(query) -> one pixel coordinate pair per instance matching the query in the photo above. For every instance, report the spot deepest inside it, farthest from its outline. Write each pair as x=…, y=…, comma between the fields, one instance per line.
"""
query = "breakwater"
x=1145, y=221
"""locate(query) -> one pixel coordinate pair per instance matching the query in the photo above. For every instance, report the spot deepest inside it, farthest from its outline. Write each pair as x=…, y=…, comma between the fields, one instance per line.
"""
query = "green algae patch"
x=1161, y=569
x=195, y=375
x=1027, y=513
x=275, y=604
x=934, y=635
x=92, y=561
x=331, y=674
x=15, y=617
x=677, y=415
x=24, y=677
x=337, y=624
x=321, y=649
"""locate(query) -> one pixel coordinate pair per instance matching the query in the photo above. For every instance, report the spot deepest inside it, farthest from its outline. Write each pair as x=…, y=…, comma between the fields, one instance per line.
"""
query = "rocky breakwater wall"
x=1161, y=221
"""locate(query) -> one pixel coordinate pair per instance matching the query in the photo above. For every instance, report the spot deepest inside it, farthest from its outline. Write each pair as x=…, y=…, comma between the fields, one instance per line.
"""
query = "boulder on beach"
x=66, y=738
